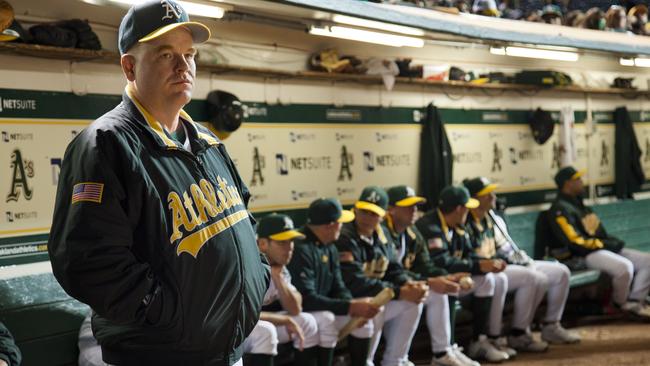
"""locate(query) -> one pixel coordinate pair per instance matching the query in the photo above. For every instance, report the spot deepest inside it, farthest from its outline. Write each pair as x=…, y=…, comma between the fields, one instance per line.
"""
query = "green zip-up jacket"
x=158, y=241
x=369, y=268
x=577, y=230
x=9, y=352
x=416, y=258
x=316, y=273
x=455, y=254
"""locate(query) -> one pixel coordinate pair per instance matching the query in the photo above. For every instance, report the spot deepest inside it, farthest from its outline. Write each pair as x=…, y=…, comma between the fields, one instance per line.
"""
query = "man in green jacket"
x=578, y=232
x=150, y=225
x=450, y=247
x=316, y=273
x=9, y=352
x=413, y=254
x=369, y=265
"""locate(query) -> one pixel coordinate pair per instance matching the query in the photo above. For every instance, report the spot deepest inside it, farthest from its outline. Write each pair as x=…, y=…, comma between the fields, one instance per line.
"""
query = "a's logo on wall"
x=56, y=169
x=369, y=161
x=170, y=10
x=497, y=155
x=604, y=154
x=22, y=169
x=74, y=133
x=258, y=163
x=281, y=164
x=346, y=161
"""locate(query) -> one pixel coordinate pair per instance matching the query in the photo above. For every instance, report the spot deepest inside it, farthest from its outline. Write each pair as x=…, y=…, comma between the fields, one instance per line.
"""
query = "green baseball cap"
x=373, y=199
x=151, y=19
x=567, y=173
x=479, y=186
x=327, y=210
x=403, y=196
x=277, y=227
x=452, y=196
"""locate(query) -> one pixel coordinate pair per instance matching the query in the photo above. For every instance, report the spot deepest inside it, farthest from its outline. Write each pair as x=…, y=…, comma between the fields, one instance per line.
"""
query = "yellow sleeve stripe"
x=573, y=236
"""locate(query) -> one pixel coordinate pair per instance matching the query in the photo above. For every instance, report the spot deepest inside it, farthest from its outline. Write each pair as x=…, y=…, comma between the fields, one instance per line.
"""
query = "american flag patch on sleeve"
x=87, y=191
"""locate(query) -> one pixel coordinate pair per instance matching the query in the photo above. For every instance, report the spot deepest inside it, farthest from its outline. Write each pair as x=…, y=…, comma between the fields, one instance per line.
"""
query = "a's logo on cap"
x=170, y=9
x=410, y=192
x=485, y=181
x=288, y=224
x=373, y=197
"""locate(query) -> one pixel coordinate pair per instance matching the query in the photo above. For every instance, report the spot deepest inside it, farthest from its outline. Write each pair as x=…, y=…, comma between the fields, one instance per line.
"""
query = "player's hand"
x=276, y=271
x=413, y=291
x=455, y=277
x=491, y=265
x=442, y=285
x=363, y=307
x=3, y=363
x=294, y=331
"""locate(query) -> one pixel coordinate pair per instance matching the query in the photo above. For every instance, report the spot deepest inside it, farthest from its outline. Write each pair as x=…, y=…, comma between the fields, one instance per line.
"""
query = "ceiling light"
x=359, y=22
x=535, y=53
x=198, y=9
x=367, y=36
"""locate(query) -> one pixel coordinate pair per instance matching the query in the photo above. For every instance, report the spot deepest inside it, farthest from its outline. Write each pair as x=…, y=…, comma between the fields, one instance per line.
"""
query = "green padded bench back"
x=628, y=220
x=522, y=230
x=44, y=320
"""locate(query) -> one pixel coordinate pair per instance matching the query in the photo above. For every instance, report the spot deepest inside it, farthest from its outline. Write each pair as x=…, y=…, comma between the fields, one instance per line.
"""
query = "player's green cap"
x=373, y=199
x=479, y=186
x=277, y=227
x=567, y=173
x=151, y=19
x=403, y=196
x=327, y=210
x=452, y=196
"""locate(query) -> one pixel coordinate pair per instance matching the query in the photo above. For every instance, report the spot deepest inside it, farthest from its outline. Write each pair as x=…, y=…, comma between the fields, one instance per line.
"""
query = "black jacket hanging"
x=436, y=159
x=627, y=165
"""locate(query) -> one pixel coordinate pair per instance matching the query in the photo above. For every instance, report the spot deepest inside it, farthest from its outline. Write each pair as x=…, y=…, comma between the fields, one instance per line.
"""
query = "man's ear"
x=262, y=244
x=128, y=66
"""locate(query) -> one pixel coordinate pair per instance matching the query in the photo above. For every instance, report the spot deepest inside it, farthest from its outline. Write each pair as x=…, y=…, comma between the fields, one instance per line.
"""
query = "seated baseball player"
x=368, y=264
x=530, y=279
x=413, y=254
x=450, y=247
x=578, y=232
x=316, y=273
x=281, y=319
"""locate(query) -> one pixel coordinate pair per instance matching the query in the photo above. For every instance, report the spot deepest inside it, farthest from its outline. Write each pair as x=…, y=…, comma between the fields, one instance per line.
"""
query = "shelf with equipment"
x=79, y=55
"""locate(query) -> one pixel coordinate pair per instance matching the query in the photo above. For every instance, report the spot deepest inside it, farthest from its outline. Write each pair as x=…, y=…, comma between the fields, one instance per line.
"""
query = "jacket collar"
x=575, y=201
x=156, y=129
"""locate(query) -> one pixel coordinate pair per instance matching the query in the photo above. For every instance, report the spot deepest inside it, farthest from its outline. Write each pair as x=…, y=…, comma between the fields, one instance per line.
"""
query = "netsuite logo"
x=344, y=136
x=385, y=136
x=255, y=137
x=13, y=216
x=307, y=163
x=8, y=136
x=300, y=137
x=342, y=191
x=17, y=104
x=302, y=195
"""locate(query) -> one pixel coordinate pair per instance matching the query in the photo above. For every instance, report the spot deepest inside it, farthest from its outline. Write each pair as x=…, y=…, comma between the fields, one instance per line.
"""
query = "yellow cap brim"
x=346, y=216
x=578, y=174
x=363, y=205
x=410, y=201
x=472, y=203
x=200, y=33
x=487, y=189
x=286, y=235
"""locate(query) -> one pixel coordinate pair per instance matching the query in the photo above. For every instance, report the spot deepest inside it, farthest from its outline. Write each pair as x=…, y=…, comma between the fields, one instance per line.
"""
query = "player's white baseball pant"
x=398, y=321
x=557, y=277
x=330, y=324
x=629, y=267
x=265, y=336
x=527, y=283
x=438, y=321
